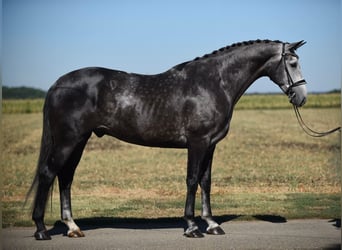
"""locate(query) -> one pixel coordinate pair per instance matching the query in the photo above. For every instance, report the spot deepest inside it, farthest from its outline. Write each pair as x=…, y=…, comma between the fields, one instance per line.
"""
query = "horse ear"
x=294, y=46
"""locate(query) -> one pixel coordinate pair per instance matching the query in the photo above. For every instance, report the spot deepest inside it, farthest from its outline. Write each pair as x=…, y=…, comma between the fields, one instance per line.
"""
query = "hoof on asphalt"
x=215, y=231
x=193, y=233
x=75, y=234
x=42, y=235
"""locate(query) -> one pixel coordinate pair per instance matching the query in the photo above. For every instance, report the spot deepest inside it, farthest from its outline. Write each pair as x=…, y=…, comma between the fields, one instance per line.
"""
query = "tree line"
x=22, y=93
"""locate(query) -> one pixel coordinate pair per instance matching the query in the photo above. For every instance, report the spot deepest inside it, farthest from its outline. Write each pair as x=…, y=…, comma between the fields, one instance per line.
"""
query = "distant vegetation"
x=22, y=93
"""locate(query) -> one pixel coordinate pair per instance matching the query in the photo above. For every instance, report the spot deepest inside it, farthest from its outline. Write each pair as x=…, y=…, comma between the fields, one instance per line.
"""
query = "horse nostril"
x=303, y=101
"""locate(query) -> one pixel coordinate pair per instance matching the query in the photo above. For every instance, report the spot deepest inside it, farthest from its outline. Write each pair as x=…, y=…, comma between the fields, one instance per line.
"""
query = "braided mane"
x=225, y=49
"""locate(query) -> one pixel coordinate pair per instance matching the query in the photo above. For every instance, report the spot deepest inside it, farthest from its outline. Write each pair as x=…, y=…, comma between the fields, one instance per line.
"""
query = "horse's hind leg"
x=46, y=175
x=65, y=178
x=45, y=181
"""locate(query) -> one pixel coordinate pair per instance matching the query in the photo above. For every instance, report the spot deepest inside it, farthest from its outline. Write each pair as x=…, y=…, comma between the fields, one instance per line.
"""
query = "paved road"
x=152, y=234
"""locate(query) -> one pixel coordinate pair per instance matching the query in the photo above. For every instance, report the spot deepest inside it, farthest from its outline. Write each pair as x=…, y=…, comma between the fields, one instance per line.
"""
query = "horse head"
x=287, y=73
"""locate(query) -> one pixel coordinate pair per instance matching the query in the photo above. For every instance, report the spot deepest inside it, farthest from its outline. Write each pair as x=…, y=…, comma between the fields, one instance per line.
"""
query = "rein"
x=288, y=91
x=310, y=131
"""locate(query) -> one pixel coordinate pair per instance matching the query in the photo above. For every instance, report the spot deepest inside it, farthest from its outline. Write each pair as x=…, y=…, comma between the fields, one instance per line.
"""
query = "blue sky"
x=44, y=39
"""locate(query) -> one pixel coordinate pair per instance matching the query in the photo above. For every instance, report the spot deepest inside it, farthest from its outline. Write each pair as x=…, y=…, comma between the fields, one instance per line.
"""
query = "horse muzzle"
x=297, y=95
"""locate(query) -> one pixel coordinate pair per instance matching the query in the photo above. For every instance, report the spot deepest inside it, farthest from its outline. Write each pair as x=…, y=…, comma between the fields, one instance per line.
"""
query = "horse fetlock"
x=212, y=225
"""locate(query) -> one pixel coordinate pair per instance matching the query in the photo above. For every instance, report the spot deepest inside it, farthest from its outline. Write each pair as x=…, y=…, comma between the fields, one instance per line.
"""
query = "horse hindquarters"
x=63, y=141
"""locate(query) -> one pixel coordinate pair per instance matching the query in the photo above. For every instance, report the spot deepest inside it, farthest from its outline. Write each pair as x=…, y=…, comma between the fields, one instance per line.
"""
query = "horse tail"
x=45, y=150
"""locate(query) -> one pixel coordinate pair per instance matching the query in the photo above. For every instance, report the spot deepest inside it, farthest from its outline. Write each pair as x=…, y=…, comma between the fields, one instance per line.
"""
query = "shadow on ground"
x=154, y=223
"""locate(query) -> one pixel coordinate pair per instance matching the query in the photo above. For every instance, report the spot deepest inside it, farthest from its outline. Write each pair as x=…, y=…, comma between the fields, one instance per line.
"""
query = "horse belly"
x=164, y=132
x=145, y=128
x=164, y=139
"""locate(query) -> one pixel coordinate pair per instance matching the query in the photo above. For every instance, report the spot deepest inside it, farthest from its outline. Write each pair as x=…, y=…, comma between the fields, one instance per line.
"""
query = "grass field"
x=265, y=166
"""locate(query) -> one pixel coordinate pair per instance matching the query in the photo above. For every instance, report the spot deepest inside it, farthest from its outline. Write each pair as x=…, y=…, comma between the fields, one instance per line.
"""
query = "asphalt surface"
x=167, y=234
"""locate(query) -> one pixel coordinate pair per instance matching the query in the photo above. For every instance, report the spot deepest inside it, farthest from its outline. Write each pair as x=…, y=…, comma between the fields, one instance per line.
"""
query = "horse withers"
x=189, y=106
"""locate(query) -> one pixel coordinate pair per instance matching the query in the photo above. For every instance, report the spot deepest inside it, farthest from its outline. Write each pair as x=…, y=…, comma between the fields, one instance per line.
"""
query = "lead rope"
x=310, y=131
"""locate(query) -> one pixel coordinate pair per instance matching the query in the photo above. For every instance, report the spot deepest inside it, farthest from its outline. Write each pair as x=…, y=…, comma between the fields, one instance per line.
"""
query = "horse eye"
x=293, y=64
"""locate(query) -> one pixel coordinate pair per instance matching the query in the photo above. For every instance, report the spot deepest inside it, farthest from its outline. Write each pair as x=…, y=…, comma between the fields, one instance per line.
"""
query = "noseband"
x=287, y=88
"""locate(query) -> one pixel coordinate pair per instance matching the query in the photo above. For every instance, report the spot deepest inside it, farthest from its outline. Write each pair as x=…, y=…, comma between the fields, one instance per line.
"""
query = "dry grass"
x=266, y=165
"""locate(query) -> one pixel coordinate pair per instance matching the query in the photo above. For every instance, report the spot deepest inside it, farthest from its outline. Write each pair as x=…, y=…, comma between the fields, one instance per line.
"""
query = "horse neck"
x=243, y=66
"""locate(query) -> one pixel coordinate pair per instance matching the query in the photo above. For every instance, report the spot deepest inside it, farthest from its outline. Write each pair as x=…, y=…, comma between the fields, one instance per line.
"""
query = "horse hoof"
x=215, y=231
x=193, y=233
x=42, y=235
x=76, y=234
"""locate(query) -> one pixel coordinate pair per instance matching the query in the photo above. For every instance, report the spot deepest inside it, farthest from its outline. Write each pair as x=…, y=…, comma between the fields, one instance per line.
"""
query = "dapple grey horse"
x=189, y=106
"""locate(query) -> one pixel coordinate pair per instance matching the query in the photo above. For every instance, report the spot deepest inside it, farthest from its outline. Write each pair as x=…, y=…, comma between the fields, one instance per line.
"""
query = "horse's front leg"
x=205, y=183
x=195, y=157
